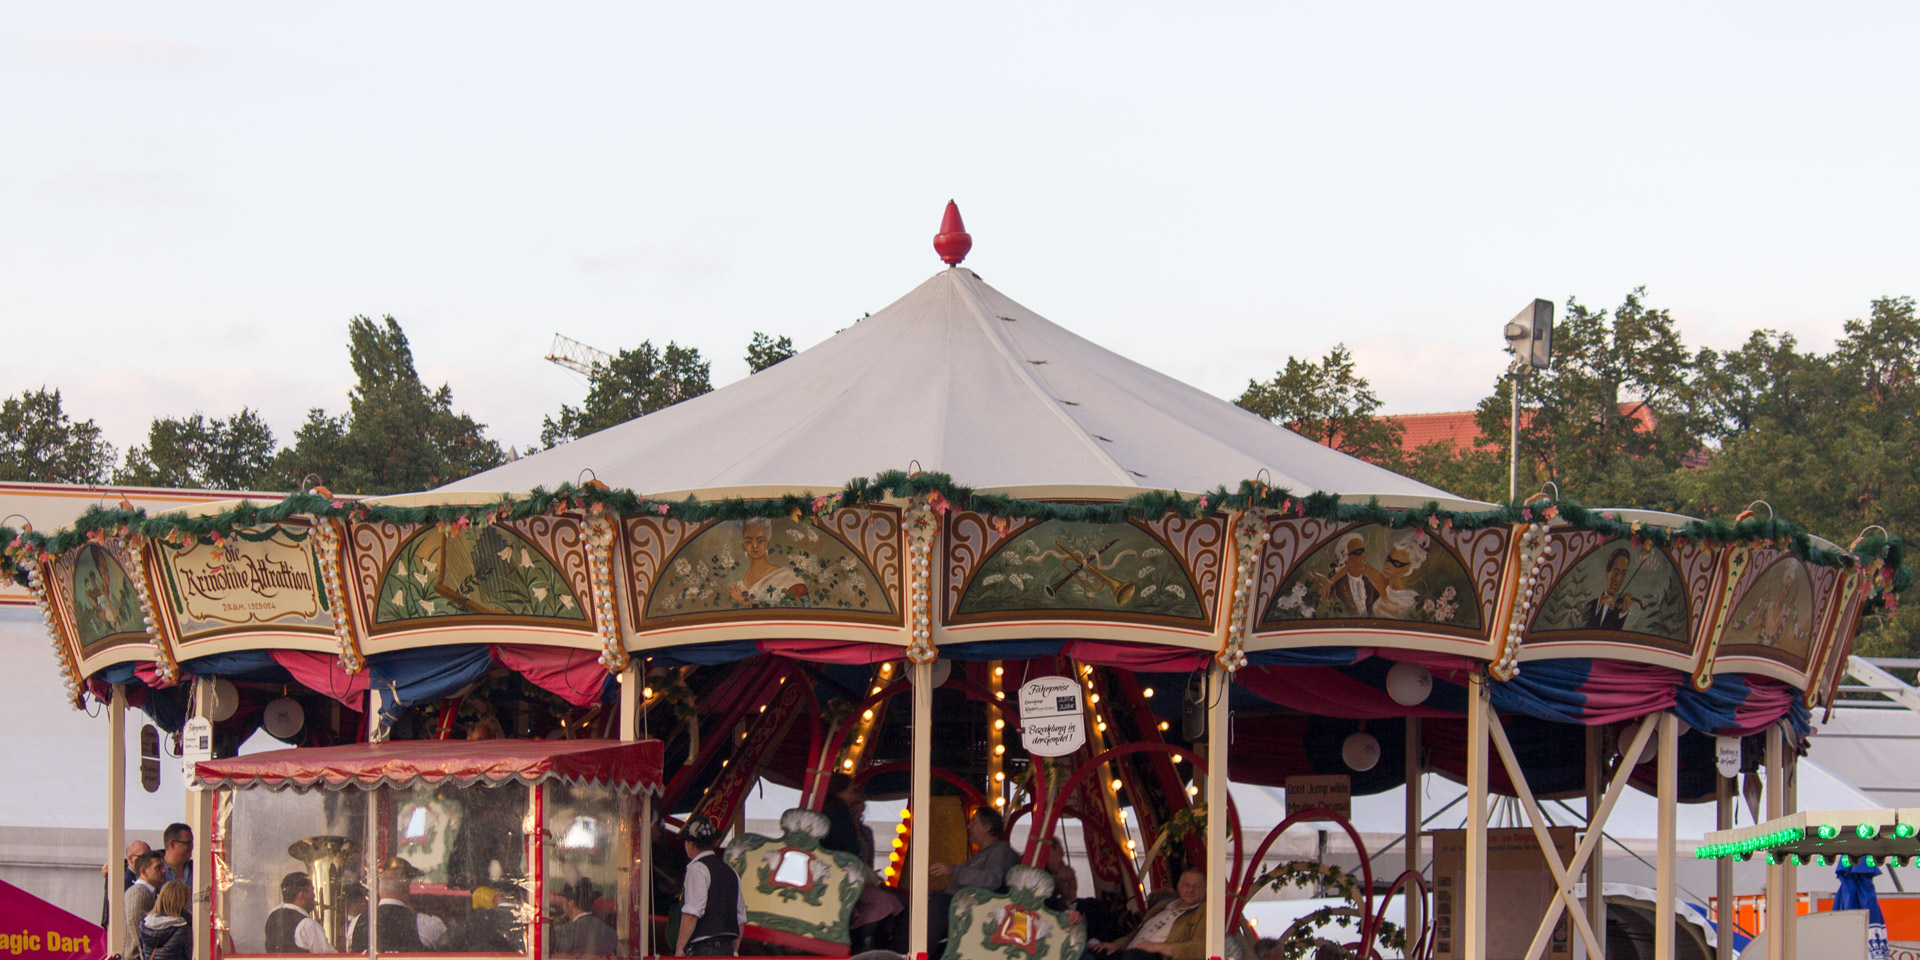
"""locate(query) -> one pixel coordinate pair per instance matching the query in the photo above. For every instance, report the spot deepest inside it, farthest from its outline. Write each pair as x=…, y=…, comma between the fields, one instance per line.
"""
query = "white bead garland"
x=613, y=655
x=923, y=526
x=328, y=539
x=163, y=663
x=1535, y=549
x=69, y=673
x=1250, y=536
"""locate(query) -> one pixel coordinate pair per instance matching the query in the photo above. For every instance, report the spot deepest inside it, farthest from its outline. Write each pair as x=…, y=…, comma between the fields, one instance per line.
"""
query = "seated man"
x=1177, y=930
x=494, y=926
x=986, y=869
x=291, y=927
x=399, y=924
x=579, y=933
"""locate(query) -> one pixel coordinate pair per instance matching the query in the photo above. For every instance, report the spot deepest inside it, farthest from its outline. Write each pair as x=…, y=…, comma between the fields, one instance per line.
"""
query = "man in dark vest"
x=712, y=912
x=291, y=927
x=399, y=925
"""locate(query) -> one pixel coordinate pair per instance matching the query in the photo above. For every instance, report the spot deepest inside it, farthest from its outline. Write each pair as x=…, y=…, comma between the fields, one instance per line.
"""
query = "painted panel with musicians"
x=1374, y=572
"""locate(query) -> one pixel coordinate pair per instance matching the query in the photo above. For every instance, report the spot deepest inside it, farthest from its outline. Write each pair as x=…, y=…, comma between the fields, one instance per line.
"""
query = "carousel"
x=955, y=555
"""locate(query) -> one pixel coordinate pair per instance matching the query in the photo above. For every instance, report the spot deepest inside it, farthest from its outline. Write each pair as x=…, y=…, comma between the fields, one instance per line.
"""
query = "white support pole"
x=632, y=681
x=635, y=842
x=1219, y=732
x=1724, y=912
x=1779, y=900
x=922, y=806
x=1668, y=774
x=1473, y=939
x=1415, y=770
x=1597, y=866
x=117, y=820
x=370, y=857
x=200, y=818
x=645, y=892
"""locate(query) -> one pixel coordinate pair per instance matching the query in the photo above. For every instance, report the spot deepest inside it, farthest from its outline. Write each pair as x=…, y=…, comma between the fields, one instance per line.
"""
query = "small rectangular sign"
x=1052, y=721
x=1332, y=792
x=196, y=744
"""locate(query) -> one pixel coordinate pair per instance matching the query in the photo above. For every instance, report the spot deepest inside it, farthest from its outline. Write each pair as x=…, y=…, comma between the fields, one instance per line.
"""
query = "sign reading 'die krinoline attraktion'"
x=242, y=581
x=1052, y=721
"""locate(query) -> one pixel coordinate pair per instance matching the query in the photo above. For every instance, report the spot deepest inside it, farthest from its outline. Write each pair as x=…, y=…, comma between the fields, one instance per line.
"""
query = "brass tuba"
x=326, y=859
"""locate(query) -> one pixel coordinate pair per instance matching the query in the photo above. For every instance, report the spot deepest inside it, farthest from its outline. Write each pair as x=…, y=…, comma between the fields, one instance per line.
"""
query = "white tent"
x=958, y=378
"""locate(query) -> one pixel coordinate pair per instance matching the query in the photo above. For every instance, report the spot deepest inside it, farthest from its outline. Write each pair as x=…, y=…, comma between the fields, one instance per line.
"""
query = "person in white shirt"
x=291, y=927
x=149, y=873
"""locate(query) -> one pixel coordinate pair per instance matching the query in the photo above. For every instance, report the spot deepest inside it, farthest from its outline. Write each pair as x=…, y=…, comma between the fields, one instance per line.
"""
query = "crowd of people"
x=155, y=890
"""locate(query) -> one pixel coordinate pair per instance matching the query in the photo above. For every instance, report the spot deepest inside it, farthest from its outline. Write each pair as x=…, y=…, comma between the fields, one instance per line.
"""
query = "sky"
x=198, y=197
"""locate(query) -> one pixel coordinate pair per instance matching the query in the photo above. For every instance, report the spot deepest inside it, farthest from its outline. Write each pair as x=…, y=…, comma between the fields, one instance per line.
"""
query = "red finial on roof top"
x=953, y=241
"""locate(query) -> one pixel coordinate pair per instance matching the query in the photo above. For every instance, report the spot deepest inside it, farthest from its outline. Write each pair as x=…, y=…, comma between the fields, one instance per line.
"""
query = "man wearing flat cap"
x=711, y=912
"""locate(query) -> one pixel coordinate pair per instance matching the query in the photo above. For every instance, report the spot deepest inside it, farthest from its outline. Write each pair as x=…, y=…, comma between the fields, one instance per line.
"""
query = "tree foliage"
x=764, y=351
x=637, y=382
x=235, y=453
x=39, y=443
x=1328, y=402
x=396, y=435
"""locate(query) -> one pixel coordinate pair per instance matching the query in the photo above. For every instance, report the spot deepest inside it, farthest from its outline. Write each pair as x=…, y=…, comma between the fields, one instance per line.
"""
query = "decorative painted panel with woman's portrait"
x=1776, y=614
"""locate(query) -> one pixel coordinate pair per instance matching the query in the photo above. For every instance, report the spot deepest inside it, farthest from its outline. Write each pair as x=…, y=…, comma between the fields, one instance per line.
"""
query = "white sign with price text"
x=196, y=744
x=1052, y=721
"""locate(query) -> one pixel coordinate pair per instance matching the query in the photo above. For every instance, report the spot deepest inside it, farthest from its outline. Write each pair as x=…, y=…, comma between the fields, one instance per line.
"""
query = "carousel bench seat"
x=798, y=894
x=1016, y=925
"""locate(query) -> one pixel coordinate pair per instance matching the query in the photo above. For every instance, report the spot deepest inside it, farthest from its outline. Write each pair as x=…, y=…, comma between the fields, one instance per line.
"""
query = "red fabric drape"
x=575, y=676
x=321, y=672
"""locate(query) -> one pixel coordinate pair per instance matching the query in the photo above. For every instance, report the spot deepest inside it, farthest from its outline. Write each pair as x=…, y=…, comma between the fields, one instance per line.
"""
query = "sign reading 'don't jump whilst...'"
x=1052, y=721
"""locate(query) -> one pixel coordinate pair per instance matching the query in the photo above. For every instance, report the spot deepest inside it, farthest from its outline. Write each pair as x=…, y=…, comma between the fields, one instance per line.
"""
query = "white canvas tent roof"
x=960, y=379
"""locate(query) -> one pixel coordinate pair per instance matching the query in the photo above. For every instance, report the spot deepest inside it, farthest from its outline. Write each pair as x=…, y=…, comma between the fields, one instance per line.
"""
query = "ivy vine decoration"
x=1299, y=939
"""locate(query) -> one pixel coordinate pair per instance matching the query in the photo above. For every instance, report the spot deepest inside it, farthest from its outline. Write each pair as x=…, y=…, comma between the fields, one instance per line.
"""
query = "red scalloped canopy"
x=632, y=766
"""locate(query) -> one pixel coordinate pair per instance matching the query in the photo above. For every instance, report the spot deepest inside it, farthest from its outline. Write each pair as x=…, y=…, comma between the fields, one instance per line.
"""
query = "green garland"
x=942, y=493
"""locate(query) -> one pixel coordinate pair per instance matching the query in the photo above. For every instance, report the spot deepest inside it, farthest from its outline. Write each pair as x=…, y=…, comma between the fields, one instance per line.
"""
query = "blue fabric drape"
x=1002, y=649
x=425, y=674
x=1547, y=689
x=253, y=665
x=1305, y=657
x=702, y=654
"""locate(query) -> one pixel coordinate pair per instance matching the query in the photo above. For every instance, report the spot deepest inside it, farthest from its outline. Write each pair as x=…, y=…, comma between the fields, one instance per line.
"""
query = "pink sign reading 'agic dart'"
x=33, y=929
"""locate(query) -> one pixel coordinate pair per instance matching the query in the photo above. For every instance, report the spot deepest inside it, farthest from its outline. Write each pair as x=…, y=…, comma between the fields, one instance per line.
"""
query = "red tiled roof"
x=1425, y=428
x=1458, y=426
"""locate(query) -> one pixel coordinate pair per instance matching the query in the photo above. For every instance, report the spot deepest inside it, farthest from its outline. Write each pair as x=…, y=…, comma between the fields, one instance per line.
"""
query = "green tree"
x=39, y=443
x=637, y=382
x=396, y=435
x=1611, y=419
x=764, y=351
x=1328, y=402
x=235, y=453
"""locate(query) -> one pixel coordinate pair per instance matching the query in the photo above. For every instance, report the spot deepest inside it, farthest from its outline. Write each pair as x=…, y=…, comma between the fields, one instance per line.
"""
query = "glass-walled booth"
x=510, y=848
